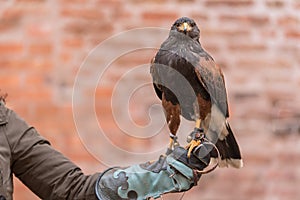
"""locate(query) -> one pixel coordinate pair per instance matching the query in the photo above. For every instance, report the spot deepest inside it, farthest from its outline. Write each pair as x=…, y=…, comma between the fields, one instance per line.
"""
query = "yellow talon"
x=171, y=143
x=191, y=146
x=194, y=143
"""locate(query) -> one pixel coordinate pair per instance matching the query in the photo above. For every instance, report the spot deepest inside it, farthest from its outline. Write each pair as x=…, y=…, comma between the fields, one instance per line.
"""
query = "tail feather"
x=228, y=148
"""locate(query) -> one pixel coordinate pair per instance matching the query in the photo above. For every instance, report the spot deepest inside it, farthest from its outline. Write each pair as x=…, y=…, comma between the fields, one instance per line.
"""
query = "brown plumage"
x=190, y=84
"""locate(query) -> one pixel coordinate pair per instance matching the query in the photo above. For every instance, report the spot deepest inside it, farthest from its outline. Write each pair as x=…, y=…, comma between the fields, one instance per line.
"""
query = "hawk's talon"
x=191, y=146
x=194, y=139
x=196, y=134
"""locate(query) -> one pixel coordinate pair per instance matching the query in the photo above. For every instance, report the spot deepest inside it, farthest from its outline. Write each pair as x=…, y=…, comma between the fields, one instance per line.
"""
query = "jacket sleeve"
x=45, y=171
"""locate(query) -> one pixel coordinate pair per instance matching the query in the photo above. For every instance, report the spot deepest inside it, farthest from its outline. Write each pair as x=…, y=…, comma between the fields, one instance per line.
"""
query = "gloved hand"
x=173, y=173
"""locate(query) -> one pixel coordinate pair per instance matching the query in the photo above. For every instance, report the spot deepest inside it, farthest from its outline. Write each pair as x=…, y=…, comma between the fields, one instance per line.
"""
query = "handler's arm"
x=42, y=169
x=50, y=175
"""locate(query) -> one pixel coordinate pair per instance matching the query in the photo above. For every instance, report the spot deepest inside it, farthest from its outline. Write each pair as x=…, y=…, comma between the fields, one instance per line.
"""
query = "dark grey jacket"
x=42, y=169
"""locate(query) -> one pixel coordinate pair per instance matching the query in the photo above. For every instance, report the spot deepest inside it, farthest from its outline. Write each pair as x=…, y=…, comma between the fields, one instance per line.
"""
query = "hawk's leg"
x=172, y=113
x=173, y=142
x=173, y=124
x=194, y=139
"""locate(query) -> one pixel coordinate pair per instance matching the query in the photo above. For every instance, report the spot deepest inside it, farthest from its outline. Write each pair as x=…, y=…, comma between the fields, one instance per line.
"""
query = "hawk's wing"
x=156, y=79
x=212, y=79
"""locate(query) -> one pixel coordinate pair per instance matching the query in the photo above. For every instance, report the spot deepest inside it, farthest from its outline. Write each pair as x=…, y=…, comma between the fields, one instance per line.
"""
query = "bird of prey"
x=189, y=83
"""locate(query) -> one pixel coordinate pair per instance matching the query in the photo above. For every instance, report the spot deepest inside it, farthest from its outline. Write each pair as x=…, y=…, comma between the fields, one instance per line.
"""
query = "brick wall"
x=256, y=42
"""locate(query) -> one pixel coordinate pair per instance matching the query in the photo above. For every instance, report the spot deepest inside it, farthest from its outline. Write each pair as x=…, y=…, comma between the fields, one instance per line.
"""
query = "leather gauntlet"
x=173, y=173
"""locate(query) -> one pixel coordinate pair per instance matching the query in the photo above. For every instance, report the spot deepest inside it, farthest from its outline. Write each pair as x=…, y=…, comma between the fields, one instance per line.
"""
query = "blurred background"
x=43, y=43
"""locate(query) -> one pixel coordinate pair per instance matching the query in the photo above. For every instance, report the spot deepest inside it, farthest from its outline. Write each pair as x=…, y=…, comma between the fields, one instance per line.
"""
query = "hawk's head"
x=187, y=26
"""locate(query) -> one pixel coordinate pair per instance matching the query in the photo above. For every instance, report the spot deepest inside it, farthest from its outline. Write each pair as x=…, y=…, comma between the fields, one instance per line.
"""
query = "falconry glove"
x=173, y=173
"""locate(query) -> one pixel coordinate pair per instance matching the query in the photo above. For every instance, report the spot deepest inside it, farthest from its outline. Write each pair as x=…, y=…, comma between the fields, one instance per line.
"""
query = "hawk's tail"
x=228, y=148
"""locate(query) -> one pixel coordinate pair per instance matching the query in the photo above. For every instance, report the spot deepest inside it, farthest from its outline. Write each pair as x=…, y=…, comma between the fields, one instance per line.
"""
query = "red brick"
x=296, y=4
x=73, y=43
x=199, y=18
x=9, y=81
x=65, y=57
x=289, y=21
x=83, y=13
x=245, y=19
x=158, y=16
x=43, y=64
x=275, y=3
x=257, y=190
x=13, y=63
x=41, y=49
x=147, y=1
x=108, y=3
x=95, y=39
x=44, y=111
x=269, y=34
x=135, y=58
x=293, y=34
x=11, y=48
x=247, y=47
x=42, y=31
x=186, y=1
x=107, y=122
x=12, y=14
x=289, y=49
x=87, y=28
x=104, y=92
x=211, y=48
x=23, y=64
x=10, y=18
x=30, y=1
x=37, y=95
x=120, y=14
x=72, y=2
x=32, y=10
x=264, y=63
x=231, y=3
x=36, y=79
x=225, y=33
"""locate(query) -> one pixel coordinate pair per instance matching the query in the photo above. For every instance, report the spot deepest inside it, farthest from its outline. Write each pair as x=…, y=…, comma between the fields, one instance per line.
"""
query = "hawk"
x=190, y=84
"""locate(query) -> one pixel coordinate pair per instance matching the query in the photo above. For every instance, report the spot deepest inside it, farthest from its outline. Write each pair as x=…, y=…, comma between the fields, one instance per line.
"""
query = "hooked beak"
x=184, y=27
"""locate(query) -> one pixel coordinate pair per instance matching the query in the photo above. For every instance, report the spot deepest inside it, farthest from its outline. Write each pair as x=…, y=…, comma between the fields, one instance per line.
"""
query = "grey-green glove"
x=172, y=173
